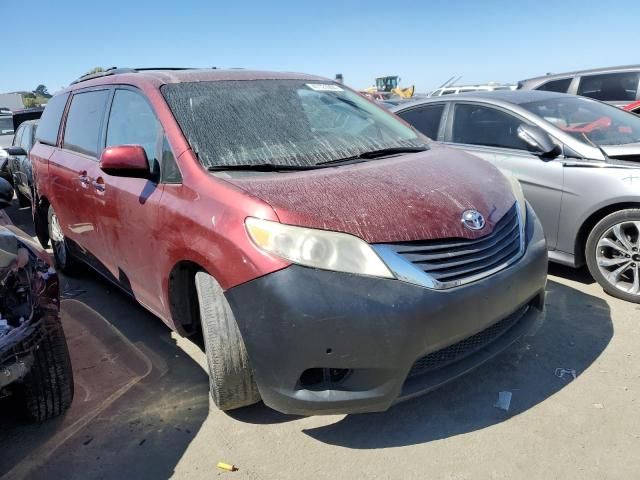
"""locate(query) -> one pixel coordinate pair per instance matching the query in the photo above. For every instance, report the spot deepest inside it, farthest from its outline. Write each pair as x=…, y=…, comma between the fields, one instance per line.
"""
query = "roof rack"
x=116, y=70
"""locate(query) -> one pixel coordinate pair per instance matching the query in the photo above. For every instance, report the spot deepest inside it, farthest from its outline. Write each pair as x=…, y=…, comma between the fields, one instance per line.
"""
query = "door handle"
x=84, y=179
x=98, y=184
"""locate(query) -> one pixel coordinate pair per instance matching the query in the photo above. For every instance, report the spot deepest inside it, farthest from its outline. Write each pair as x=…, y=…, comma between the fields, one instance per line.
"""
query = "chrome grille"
x=448, y=263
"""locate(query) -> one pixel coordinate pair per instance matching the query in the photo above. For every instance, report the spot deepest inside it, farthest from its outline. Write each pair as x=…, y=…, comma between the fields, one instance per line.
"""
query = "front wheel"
x=65, y=262
x=230, y=376
x=613, y=254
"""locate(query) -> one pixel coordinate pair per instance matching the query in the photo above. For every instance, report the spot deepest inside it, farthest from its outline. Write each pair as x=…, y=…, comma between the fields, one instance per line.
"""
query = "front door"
x=74, y=171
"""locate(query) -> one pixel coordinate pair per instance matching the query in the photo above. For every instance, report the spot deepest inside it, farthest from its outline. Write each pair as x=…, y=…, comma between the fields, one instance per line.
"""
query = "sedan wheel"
x=613, y=254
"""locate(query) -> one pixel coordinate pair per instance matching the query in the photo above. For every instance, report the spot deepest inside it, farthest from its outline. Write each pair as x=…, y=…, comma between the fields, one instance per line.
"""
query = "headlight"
x=517, y=192
x=323, y=249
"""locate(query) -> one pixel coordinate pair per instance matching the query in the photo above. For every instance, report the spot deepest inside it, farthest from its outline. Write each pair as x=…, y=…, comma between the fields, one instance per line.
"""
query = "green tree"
x=41, y=91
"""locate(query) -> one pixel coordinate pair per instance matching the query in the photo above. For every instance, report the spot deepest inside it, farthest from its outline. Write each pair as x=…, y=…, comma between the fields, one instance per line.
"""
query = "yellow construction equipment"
x=388, y=86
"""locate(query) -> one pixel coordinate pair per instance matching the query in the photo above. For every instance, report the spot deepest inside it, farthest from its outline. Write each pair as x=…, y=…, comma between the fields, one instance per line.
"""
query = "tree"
x=41, y=91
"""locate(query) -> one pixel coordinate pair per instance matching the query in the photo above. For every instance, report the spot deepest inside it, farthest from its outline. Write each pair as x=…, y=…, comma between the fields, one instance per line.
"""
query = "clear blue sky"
x=425, y=42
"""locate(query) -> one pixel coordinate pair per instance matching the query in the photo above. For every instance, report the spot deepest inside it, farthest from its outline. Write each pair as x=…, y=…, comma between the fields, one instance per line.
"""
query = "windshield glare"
x=6, y=126
x=588, y=120
x=292, y=123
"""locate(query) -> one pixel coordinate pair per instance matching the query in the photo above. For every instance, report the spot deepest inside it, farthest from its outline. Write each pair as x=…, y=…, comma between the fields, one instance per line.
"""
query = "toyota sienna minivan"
x=333, y=259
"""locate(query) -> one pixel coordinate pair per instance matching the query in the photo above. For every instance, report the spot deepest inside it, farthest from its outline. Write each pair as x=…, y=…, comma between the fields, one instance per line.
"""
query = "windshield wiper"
x=383, y=152
x=261, y=167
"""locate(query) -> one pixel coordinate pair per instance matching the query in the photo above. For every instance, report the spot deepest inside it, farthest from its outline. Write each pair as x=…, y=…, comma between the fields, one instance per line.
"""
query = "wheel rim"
x=618, y=256
x=57, y=239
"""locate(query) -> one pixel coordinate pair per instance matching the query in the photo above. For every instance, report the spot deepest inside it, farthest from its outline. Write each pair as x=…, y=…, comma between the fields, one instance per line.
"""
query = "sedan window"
x=560, y=86
x=480, y=125
x=426, y=119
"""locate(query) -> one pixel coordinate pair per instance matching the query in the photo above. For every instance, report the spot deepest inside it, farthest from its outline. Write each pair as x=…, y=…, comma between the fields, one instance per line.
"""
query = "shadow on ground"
x=140, y=400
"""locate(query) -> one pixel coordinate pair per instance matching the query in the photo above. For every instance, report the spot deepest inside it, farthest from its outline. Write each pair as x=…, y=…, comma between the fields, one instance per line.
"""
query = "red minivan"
x=333, y=258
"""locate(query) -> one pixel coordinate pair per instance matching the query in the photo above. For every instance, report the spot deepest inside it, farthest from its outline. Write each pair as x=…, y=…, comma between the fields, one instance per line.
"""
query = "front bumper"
x=301, y=320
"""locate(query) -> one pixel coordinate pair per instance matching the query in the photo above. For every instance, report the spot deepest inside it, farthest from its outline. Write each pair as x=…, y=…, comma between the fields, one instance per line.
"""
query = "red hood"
x=418, y=197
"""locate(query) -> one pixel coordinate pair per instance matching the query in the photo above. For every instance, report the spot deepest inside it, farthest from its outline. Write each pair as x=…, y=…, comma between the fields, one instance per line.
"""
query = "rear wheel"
x=230, y=376
x=65, y=261
x=613, y=254
x=48, y=386
x=23, y=201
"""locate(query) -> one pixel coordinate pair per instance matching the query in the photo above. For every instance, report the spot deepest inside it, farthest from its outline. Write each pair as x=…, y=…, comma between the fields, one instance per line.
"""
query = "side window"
x=610, y=86
x=84, y=122
x=479, y=125
x=560, y=86
x=426, y=119
x=25, y=141
x=17, y=138
x=170, y=171
x=132, y=122
x=50, y=121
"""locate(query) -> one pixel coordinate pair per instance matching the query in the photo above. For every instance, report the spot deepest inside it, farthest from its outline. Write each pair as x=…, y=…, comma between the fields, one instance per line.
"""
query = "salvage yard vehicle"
x=34, y=358
x=579, y=164
x=615, y=85
x=18, y=162
x=334, y=260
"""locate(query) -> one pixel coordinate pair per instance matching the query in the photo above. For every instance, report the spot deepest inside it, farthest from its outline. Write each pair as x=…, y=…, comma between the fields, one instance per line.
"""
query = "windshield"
x=6, y=126
x=292, y=123
x=588, y=120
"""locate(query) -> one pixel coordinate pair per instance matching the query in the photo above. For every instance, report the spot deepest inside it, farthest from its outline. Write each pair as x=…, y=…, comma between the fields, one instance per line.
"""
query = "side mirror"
x=6, y=193
x=125, y=161
x=539, y=141
x=15, y=151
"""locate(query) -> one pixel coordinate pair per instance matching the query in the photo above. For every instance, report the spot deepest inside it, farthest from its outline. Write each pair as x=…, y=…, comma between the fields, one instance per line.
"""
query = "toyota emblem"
x=473, y=220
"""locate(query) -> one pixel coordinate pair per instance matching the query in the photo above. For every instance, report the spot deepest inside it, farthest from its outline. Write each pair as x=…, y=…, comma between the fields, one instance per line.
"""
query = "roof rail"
x=116, y=70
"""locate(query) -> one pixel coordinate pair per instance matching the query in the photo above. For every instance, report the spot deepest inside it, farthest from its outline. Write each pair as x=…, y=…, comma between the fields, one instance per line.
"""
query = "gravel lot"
x=142, y=407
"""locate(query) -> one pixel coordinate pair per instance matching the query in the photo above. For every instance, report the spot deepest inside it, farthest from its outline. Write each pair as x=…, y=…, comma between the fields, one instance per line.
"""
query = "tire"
x=613, y=254
x=48, y=387
x=65, y=261
x=230, y=376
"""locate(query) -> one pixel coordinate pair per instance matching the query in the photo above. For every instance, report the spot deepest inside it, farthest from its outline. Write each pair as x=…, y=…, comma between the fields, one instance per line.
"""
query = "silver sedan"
x=578, y=161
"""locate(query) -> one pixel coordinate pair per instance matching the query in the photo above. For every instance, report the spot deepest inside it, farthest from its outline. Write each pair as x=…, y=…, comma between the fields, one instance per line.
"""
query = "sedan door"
x=491, y=133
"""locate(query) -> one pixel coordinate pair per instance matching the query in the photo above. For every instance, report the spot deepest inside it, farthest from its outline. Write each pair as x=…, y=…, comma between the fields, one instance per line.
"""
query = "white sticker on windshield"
x=324, y=87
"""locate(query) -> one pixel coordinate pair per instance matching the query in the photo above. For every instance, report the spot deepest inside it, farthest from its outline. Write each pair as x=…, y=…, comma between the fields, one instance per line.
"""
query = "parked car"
x=18, y=162
x=34, y=358
x=455, y=89
x=615, y=85
x=16, y=118
x=332, y=258
x=578, y=162
x=633, y=107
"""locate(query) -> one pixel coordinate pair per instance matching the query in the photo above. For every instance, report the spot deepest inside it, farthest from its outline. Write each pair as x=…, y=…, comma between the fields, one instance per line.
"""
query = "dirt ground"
x=142, y=407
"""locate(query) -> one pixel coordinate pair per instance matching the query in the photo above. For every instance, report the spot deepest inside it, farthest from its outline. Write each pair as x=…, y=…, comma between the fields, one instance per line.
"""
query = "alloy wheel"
x=57, y=240
x=618, y=256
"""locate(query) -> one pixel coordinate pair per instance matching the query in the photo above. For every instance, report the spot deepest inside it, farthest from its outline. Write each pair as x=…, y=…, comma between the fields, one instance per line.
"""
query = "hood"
x=629, y=152
x=419, y=196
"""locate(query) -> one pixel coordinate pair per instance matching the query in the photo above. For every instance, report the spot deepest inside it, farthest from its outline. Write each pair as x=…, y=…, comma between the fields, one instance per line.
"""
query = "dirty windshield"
x=289, y=123
x=588, y=120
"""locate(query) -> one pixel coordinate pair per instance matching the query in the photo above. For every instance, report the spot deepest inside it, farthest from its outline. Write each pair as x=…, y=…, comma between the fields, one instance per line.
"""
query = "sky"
x=424, y=42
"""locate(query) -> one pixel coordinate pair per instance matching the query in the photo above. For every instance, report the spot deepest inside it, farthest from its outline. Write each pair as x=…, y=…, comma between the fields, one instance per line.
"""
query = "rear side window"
x=610, y=86
x=560, y=86
x=479, y=125
x=425, y=119
x=50, y=121
x=84, y=122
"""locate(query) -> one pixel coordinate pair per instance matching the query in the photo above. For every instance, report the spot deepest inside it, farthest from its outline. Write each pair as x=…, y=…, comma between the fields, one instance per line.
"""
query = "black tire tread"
x=231, y=379
x=48, y=386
